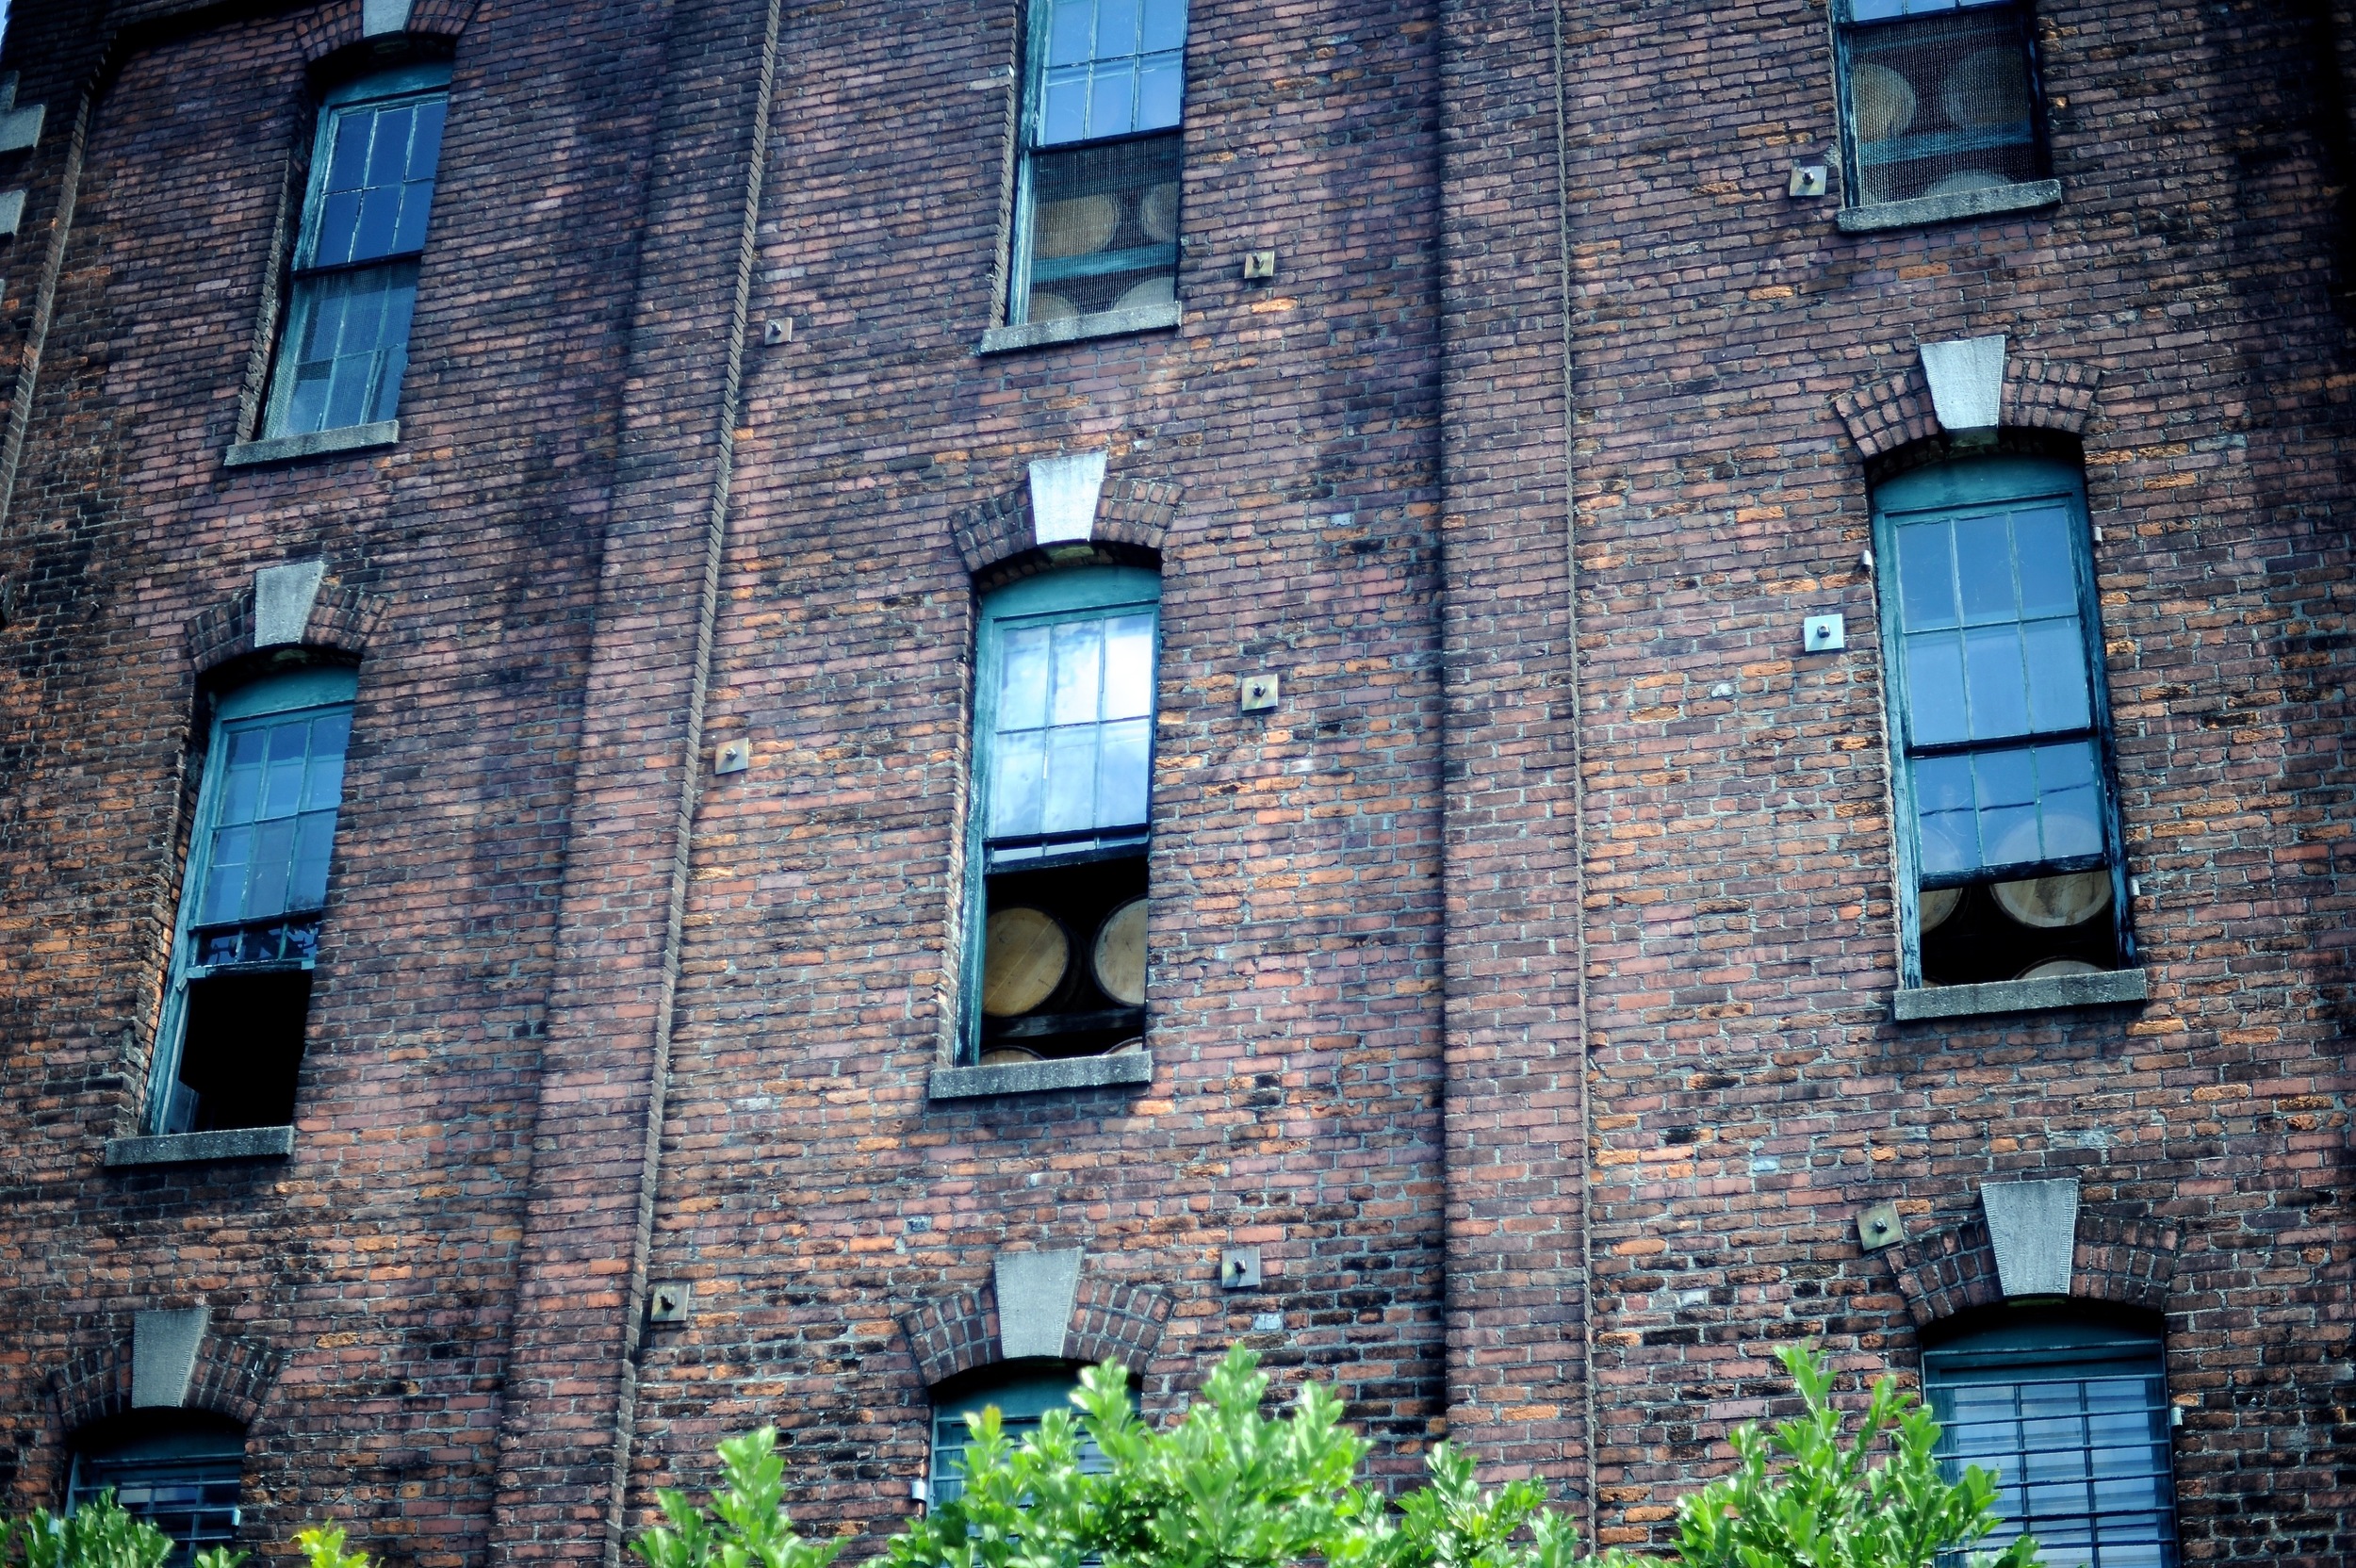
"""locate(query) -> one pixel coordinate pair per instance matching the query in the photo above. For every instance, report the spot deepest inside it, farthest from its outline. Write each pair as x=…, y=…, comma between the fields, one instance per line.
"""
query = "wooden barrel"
x=1935, y=906
x=1024, y=954
x=1007, y=1056
x=2045, y=969
x=1118, y=958
x=2052, y=902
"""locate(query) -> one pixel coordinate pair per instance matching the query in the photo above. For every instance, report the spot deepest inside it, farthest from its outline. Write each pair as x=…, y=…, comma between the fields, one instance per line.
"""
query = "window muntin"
x=355, y=283
x=2010, y=840
x=250, y=904
x=1021, y=1399
x=1062, y=771
x=1939, y=98
x=2072, y=1419
x=1097, y=202
x=183, y=1479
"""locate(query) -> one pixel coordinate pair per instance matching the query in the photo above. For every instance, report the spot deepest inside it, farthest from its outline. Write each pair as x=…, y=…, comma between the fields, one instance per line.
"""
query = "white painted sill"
x=2052, y=995
x=1103, y=323
x=1066, y=1072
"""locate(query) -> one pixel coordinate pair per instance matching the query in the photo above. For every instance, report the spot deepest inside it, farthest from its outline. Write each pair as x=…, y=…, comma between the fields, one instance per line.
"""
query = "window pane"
x=2049, y=581
x=1022, y=678
x=2072, y=806
x=339, y=228
x=1079, y=652
x=425, y=141
x=1121, y=773
x=1165, y=25
x=1996, y=680
x=1071, y=33
x=1116, y=28
x=1112, y=98
x=2057, y=676
x=388, y=146
x=324, y=785
x=1934, y=707
x=1983, y=570
x=1161, y=84
x=1064, y=117
x=314, y=840
x=224, y=884
x=1129, y=667
x=282, y=784
x=348, y=166
x=274, y=859
x=1926, y=581
x=1947, y=830
x=349, y=334
x=1070, y=801
x=1018, y=791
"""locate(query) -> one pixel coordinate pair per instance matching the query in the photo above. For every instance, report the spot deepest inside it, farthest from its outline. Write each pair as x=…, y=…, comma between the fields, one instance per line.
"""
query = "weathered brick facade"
x=1521, y=985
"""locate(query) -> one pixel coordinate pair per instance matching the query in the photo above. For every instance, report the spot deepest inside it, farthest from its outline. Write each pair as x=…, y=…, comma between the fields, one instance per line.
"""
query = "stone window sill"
x=242, y=1143
x=1950, y=208
x=1103, y=323
x=317, y=443
x=1069, y=1072
x=2019, y=996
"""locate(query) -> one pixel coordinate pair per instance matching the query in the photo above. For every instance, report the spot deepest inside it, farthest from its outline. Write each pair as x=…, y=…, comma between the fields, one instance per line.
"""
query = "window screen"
x=1940, y=96
x=355, y=267
x=184, y=1483
x=2073, y=1420
x=1100, y=177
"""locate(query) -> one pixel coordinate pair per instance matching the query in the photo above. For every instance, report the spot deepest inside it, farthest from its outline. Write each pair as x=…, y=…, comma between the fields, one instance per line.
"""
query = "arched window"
x=2070, y=1413
x=1063, y=760
x=2008, y=838
x=1021, y=1394
x=251, y=903
x=355, y=278
x=179, y=1473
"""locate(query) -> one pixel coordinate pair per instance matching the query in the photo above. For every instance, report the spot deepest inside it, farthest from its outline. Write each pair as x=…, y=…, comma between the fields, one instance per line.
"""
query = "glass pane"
x=1112, y=99
x=282, y=786
x=1997, y=682
x=315, y=838
x=1070, y=801
x=1129, y=667
x=1983, y=570
x=325, y=786
x=1927, y=582
x=2057, y=676
x=425, y=143
x=224, y=884
x=1935, y=709
x=349, y=336
x=1946, y=830
x=1079, y=651
x=388, y=148
x=1070, y=33
x=379, y=215
x=1022, y=678
x=2072, y=806
x=274, y=856
x=1161, y=85
x=347, y=167
x=1165, y=25
x=1017, y=792
x=1121, y=783
x=2049, y=581
x=339, y=228
x=1116, y=28
x=1064, y=115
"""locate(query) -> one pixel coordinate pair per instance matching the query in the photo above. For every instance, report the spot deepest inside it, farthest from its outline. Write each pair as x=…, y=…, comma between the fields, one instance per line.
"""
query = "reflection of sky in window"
x=1074, y=725
x=1993, y=644
x=1113, y=67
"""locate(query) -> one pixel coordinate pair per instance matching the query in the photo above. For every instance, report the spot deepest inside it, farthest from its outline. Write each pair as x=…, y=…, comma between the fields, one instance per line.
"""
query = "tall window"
x=250, y=905
x=1063, y=759
x=2071, y=1416
x=2009, y=854
x=180, y=1475
x=1939, y=98
x=355, y=263
x=1098, y=193
x=1021, y=1397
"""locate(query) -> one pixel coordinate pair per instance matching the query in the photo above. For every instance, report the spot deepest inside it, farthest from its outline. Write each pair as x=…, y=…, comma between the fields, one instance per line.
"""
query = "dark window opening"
x=1939, y=98
x=1063, y=959
x=1021, y=1393
x=182, y=1478
x=241, y=1050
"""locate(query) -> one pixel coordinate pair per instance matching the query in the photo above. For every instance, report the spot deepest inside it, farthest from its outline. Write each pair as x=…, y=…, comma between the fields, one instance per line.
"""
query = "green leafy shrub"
x=98, y=1534
x=747, y=1528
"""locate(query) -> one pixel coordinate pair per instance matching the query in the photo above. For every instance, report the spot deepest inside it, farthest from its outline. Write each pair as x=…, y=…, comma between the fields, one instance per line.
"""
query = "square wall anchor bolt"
x=1879, y=1226
x=1259, y=266
x=1239, y=1268
x=778, y=330
x=666, y=1302
x=1259, y=693
x=1807, y=179
x=1824, y=634
x=733, y=757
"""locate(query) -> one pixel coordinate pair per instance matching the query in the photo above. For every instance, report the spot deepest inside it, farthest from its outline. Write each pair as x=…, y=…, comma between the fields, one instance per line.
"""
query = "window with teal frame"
x=1938, y=98
x=2010, y=863
x=250, y=904
x=1021, y=1395
x=346, y=343
x=1096, y=189
x=2070, y=1414
x=1063, y=760
x=179, y=1471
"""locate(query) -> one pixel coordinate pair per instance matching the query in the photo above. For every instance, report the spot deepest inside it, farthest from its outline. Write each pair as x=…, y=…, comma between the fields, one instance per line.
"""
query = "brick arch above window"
x=2039, y=394
x=340, y=620
x=232, y=1378
x=1110, y=1320
x=346, y=23
x=2127, y=1263
x=1129, y=510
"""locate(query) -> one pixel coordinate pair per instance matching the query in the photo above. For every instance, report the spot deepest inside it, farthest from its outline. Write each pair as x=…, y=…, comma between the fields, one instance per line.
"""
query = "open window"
x=179, y=1471
x=346, y=340
x=2070, y=1413
x=250, y=904
x=1097, y=190
x=1063, y=760
x=2009, y=850
x=1939, y=98
x=1020, y=1393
